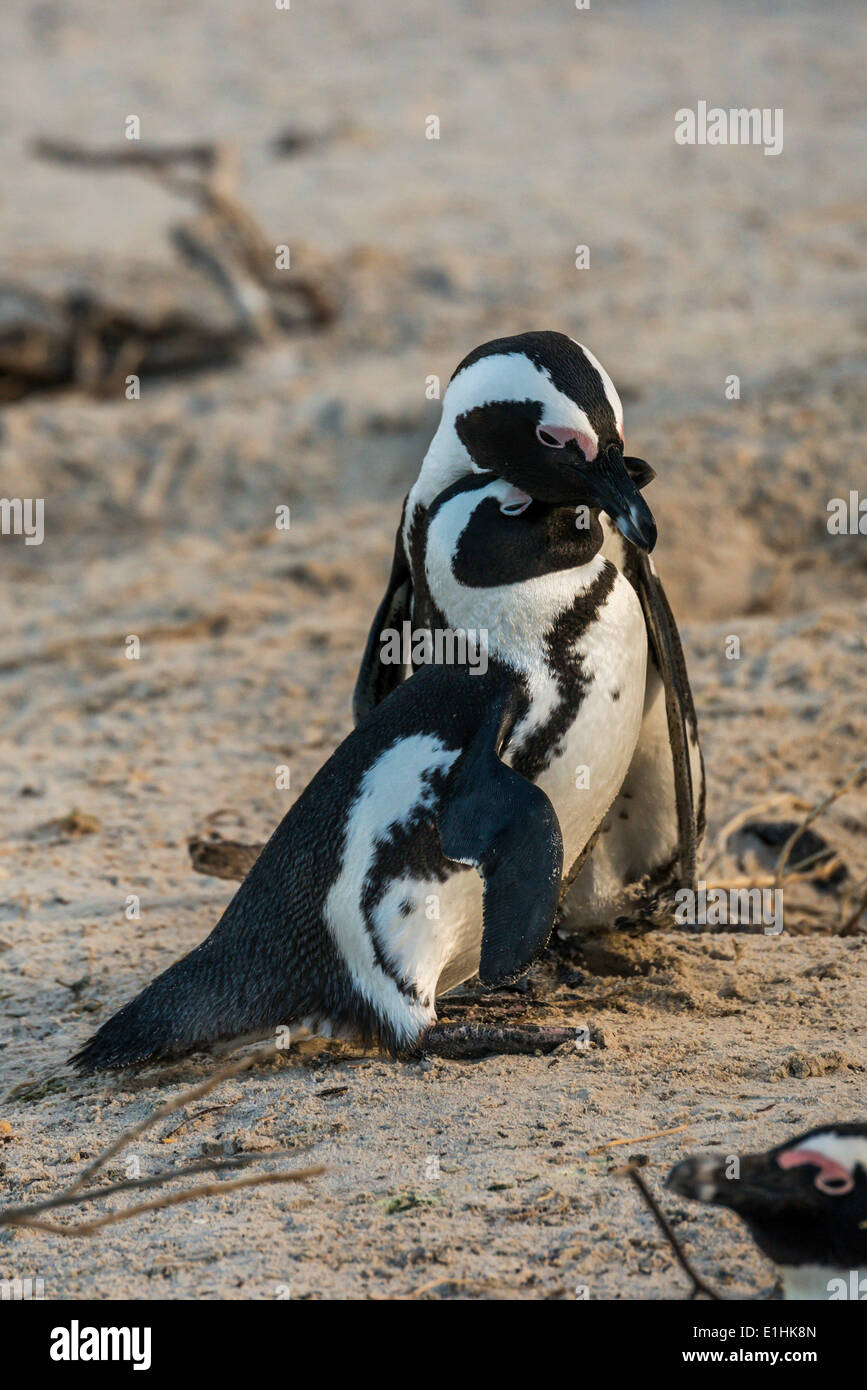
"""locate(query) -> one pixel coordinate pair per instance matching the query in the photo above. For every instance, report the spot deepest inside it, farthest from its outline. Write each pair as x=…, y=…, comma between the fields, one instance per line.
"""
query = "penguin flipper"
x=507, y=829
x=680, y=711
x=376, y=678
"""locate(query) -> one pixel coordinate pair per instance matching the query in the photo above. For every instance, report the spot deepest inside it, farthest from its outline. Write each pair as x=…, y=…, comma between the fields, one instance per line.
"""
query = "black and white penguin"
x=432, y=843
x=805, y=1203
x=511, y=406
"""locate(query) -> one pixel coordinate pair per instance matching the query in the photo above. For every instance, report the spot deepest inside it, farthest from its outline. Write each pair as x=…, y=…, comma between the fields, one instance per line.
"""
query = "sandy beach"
x=491, y=1178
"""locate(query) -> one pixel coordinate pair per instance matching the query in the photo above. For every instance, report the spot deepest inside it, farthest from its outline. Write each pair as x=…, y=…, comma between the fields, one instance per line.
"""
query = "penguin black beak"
x=696, y=1178
x=613, y=486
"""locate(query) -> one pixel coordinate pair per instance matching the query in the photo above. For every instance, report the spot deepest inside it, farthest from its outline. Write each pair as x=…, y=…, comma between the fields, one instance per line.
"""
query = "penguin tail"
x=185, y=1007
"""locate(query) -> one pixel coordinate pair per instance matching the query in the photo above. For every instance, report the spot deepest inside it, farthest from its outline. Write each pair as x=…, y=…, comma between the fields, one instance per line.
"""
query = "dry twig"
x=794, y=875
x=743, y=817
x=24, y=1214
x=169, y=1199
x=638, y=1138
x=699, y=1286
x=204, y=1088
x=78, y=1194
x=852, y=780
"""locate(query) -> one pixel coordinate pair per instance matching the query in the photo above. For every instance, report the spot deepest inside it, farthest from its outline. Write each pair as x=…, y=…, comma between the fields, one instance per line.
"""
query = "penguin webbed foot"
x=468, y=1041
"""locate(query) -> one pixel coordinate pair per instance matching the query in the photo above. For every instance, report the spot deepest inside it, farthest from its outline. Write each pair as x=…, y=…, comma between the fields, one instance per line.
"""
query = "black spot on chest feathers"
x=538, y=751
x=410, y=850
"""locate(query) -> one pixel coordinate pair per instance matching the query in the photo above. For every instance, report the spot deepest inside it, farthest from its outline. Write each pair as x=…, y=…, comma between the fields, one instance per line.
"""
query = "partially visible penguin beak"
x=612, y=488
x=697, y=1178
x=640, y=472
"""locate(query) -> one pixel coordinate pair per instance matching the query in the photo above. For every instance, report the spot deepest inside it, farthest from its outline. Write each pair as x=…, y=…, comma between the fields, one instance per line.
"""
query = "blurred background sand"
x=557, y=130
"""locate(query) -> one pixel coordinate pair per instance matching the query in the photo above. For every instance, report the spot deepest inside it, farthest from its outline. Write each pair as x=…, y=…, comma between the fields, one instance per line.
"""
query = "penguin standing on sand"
x=504, y=400
x=805, y=1203
x=433, y=842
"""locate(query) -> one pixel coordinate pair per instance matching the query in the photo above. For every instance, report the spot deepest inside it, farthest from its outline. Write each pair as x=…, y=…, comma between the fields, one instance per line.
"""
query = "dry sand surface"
x=484, y=1179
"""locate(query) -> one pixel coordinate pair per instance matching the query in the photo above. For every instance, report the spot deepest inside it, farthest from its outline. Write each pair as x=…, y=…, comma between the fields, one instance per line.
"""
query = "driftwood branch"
x=204, y=155
x=224, y=241
x=80, y=339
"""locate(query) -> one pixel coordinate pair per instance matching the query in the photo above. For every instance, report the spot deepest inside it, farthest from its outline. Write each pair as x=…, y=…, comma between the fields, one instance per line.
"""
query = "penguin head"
x=805, y=1202
x=541, y=412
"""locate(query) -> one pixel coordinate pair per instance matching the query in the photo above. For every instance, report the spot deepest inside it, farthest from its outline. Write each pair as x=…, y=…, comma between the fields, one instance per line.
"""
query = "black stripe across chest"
x=566, y=665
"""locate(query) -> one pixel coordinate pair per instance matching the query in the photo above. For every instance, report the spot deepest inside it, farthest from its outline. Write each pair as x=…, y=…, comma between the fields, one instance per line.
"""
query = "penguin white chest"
x=586, y=691
x=590, y=757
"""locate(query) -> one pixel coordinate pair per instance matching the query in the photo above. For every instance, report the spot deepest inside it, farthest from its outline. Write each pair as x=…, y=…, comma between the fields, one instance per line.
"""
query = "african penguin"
x=432, y=843
x=513, y=407
x=805, y=1203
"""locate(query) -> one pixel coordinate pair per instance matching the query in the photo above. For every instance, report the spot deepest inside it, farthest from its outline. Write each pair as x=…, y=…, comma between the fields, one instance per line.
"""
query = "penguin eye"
x=548, y=439
x=834, y=1186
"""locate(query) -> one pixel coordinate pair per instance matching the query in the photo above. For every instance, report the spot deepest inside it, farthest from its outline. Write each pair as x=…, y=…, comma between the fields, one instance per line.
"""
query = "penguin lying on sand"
x=805, y=1203
x=433, y=841
x=513, y=405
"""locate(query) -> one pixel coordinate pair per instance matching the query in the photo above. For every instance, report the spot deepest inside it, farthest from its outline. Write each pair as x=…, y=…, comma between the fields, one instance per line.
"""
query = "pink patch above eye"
x=832, y=1178
x=586, y=443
